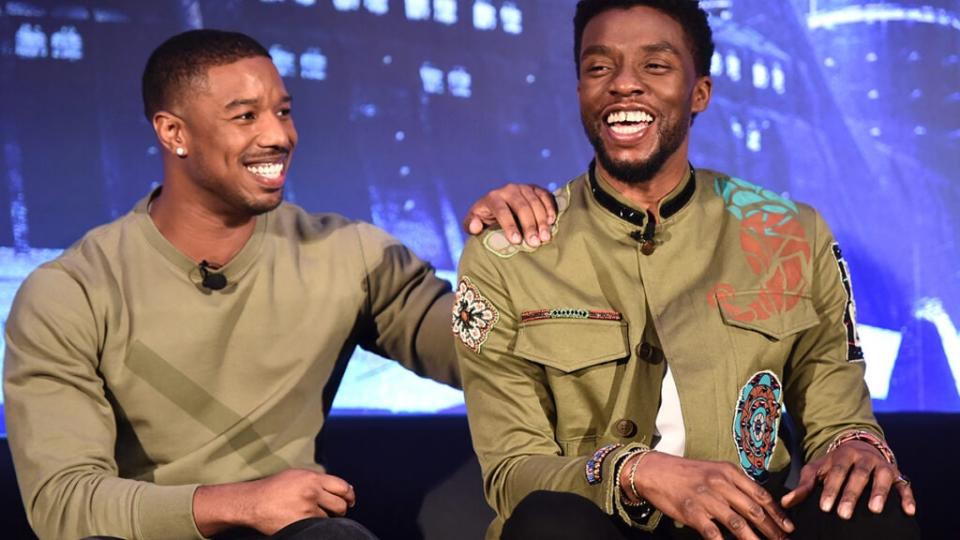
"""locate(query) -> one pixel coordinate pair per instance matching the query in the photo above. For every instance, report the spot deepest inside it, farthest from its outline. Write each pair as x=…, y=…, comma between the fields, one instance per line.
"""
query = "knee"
x=554, y=515
x=325, y=529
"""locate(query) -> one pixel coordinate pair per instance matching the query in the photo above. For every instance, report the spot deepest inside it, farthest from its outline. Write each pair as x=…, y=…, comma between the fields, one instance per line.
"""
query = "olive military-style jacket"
x=564, y=347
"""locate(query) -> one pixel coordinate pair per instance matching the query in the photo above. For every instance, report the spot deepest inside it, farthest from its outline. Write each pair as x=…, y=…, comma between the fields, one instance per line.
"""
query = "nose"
x=627, y=82
x=277, y=132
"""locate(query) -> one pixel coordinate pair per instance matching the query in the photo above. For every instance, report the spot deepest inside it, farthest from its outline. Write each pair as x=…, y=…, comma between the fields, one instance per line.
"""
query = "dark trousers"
x=545, y=515
x=308, y=529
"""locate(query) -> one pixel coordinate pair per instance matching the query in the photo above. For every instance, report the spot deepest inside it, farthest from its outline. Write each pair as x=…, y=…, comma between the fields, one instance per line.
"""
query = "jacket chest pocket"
x=572, y=345
x=584, y=370
x=761, y=336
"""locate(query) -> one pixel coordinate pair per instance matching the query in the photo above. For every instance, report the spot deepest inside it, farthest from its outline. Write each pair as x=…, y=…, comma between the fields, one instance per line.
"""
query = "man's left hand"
x=530, y=206
x=851, y=467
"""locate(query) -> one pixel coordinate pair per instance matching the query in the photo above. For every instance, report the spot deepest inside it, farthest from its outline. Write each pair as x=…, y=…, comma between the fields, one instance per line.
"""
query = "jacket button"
x=648, y=247
x=626, y=428
x=649, y=353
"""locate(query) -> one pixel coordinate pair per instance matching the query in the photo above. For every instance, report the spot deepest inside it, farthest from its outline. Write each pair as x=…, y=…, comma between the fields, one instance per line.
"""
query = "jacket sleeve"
x=825, y=389
x=62, y=429
x=510, y=405
x=408, y=308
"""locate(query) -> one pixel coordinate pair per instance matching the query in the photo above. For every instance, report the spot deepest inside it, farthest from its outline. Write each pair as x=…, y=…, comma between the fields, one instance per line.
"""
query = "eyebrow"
x=660, y=46
x=248, y=102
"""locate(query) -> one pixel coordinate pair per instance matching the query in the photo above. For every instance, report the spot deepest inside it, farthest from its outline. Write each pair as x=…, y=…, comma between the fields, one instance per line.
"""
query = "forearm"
x=220, y=507
x=77, y=505
x=509, y=482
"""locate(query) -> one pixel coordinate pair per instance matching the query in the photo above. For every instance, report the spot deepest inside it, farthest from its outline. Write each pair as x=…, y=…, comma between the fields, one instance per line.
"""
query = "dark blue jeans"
x=308, y=529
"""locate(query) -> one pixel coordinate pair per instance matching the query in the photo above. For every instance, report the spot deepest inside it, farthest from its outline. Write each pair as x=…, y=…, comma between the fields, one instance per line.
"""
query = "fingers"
x=521, y=208
x=907, y=501
x=756, y=504
x=473, y=225
x=808, y=481
x=883, y=478
x=856, y=481
x=333, y=505
x=338, y=487
x=549, y=202
x=504, y=217
x=710, y=510
x=832, y=481
x=515, y=208
x=739, y=505
x=537, y=230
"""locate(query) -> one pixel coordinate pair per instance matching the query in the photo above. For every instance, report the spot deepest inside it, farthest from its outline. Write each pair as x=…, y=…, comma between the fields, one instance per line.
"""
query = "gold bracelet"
x=633, y=472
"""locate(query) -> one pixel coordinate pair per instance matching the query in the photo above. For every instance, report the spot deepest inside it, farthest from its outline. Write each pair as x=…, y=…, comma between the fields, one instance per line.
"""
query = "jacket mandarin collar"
x=614, y=203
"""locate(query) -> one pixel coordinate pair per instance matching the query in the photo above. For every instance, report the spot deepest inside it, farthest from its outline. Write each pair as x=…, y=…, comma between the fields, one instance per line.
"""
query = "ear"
x=702, y=90
x=170, y=131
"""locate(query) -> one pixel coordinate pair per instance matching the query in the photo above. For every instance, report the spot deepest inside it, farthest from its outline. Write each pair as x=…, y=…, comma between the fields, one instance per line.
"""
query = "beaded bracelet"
x=594, y=467
x=867, y=437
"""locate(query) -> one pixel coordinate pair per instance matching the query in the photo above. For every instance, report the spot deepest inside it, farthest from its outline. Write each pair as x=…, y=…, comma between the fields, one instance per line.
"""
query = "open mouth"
x=268, y=171
x=628, y=122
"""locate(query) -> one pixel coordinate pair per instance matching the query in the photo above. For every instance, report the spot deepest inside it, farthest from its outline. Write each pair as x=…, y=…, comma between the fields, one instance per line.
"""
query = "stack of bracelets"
x=867, y=437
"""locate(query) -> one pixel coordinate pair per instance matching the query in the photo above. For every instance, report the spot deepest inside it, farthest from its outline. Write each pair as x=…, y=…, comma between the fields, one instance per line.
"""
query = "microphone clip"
x=211, y=280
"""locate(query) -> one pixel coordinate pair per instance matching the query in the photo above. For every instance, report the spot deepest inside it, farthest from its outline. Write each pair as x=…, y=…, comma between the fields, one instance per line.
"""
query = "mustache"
x=278, y=154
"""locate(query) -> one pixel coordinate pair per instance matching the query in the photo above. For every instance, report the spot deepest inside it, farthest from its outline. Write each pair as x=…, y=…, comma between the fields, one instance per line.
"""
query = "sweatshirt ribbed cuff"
x=166, y=512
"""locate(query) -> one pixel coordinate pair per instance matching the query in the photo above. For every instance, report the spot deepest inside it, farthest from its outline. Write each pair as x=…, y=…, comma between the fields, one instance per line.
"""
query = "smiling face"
x=240, y=137
x=638, y=90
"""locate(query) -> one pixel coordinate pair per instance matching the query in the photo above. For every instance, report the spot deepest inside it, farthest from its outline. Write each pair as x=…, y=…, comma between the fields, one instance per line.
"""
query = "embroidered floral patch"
x=755, y=423
x=473, y=315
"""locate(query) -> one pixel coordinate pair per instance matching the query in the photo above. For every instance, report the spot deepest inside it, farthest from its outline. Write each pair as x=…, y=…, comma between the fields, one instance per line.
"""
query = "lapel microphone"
x=211, y=280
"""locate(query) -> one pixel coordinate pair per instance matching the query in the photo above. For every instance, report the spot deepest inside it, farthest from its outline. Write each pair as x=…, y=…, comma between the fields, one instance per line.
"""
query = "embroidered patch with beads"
x=569, y=313
x=473, y=315
x=854, y=351
x=755, y=423
x=496, y=242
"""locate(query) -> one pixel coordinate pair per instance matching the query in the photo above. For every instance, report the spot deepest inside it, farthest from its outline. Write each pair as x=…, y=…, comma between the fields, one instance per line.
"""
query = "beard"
x=670, y=137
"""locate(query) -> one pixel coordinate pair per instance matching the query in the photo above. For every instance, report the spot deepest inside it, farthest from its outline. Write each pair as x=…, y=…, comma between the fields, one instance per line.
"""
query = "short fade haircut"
x=687, y=13
x=184, y=60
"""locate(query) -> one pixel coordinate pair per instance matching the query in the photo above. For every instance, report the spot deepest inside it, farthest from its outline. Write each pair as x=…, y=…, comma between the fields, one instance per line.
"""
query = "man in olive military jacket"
x=638, y=364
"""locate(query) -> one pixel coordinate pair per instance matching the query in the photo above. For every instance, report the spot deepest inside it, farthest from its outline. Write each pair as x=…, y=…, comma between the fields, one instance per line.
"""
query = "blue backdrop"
x=408, y=110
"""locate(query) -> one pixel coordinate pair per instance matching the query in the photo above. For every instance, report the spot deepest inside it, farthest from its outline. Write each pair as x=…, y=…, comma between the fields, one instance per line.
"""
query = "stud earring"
x=181, y=151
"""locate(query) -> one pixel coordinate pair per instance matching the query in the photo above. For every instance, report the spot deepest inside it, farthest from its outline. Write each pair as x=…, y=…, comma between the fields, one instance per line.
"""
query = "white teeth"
x=633, y=117
x=270, y=171
x=627, y=129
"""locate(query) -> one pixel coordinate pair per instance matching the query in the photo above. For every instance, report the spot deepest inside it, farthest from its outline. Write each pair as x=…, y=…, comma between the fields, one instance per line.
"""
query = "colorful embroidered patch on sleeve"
x=854, y=351
x=496, y=242
x=569, y=313
x=755, y=424
x=473, y=315
x=774, y=244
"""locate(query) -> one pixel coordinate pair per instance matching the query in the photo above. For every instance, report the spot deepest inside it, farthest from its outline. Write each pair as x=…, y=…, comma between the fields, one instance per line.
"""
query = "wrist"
x=629, y=475
x=865, y=437
x=217, y=508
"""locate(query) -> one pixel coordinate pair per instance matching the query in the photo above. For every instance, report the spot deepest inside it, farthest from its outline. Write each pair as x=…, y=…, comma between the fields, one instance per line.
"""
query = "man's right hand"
x=701, y=494
x=271, y=503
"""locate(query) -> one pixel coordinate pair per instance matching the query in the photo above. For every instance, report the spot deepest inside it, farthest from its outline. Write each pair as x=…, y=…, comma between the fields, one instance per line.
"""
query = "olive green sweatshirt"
x=128, y=383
